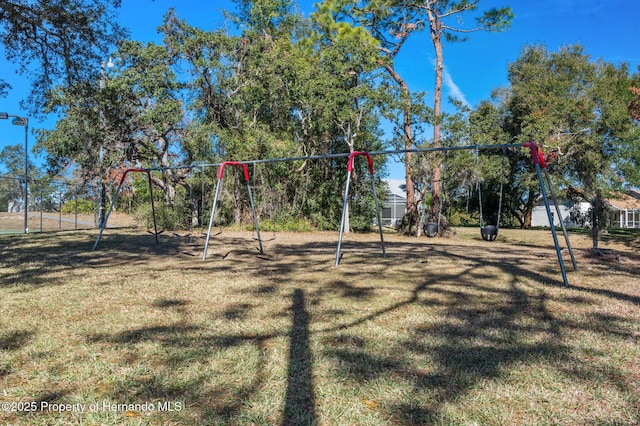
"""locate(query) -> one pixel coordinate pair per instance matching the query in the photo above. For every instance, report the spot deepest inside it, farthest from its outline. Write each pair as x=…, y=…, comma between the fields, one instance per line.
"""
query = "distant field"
x=445, y=331
x=52, y=221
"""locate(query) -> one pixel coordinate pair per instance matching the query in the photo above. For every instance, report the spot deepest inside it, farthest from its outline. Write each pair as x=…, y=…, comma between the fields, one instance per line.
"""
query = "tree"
x=633, y=154
x=132, y=115
x=57, y=41
x=277, y=88
x=390, y=23
x=144, y=115
x=634, y=104
x=387, y=25
x=577, y=109
x=12, y=184
x=445, y=17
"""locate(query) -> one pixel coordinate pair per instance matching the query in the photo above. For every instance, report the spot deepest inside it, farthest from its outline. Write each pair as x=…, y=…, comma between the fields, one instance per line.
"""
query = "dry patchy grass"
x=441, y=331
x=13, y=223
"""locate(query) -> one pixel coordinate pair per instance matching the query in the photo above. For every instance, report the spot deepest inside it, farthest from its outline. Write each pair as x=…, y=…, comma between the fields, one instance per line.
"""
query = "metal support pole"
x=215, y=200
x=346, y=201
x=101, y=191
x=153, y=207
x=115, y=198
x=75, y=209
x=564, y=228
x=213, y=213
x=106, y=218
x=23, y=121
x=60, y=210
x=201, y=209
x=537, y=158
x=26, y=173
x=375, y=197
x=344, y=215
x=255, y=217
x=553, y=228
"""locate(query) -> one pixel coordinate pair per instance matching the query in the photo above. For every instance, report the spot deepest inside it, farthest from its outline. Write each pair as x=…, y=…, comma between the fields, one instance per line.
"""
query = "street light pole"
x=23, y=121
x=102, y=188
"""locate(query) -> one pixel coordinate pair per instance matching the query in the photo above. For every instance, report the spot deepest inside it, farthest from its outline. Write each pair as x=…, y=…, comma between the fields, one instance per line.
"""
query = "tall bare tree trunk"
x=436, y=38
x=412, y=206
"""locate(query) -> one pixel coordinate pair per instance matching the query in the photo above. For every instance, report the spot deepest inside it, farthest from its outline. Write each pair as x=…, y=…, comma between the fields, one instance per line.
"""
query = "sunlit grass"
x=441, y=331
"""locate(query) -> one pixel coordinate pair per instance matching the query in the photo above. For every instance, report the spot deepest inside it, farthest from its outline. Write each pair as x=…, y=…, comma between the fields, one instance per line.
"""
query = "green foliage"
x=10, y=189
x=276, y=88
x=387, y=25
x=58, y=41
x=458, y=218
x=291, y=224
x=579, y=109
x=576, y=109
x=83, y=206
x=167, y=217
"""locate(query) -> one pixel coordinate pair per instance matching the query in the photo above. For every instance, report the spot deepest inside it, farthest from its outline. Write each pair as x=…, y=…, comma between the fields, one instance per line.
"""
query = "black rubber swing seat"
x=489, y=232
x=430, y=229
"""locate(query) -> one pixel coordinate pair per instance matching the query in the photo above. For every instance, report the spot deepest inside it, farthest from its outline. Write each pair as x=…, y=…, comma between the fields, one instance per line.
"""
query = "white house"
x=624, y=209
x=15, y=206
x=395, y=205
x=569, y=210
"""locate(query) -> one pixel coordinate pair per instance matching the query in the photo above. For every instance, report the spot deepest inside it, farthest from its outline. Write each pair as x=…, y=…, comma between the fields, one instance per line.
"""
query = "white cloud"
x=453, y=88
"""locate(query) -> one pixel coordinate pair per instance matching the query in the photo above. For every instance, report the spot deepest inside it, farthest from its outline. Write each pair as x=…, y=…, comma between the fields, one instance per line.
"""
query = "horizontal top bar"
x=347, y=154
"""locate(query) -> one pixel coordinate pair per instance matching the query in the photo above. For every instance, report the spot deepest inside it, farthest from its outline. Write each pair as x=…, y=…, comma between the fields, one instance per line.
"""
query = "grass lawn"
x=447, y=331
x=13, y=223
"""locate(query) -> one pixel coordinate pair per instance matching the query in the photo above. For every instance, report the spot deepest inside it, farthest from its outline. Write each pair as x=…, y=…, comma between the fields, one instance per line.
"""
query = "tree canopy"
x=388, y=25
x=273, y=83
x=272, y=87
x=57, y=41
x=577, y=110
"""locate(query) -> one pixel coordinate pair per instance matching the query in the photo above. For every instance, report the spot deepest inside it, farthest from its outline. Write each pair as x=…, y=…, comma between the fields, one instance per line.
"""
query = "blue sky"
x=606, y=29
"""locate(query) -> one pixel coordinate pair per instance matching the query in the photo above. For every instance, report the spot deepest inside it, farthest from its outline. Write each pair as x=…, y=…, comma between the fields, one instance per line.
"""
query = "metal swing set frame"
x=537, y=158
x=215, y=202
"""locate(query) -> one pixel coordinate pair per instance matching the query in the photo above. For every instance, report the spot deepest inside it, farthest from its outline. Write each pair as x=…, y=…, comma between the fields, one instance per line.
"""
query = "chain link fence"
x=53, y=205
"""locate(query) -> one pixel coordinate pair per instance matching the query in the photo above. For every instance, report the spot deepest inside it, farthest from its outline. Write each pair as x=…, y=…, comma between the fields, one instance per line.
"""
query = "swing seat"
x=262, y=239
x=430, y=229
x=489, y=232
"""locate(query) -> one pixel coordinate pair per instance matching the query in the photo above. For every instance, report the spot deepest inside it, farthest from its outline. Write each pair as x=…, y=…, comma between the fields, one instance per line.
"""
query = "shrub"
x=289, y=224
x=79, y=206
x=462, y=219
x=166, y=217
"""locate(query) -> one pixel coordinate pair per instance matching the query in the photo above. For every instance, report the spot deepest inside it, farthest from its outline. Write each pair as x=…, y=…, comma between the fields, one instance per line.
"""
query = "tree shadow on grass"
x=13, y=340
x=300, y=406
x=474, y=340
x=31, y=262
x=31, y=265
x=186, y=346
x=189, y=344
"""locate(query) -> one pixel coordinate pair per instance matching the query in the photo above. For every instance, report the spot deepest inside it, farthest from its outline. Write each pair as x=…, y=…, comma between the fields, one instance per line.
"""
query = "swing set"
x=115, y=198
x=215, y=202
x=488, y=232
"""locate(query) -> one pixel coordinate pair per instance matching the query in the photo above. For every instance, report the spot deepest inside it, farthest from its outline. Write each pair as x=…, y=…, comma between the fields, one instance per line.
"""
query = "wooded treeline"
x=273, y=83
